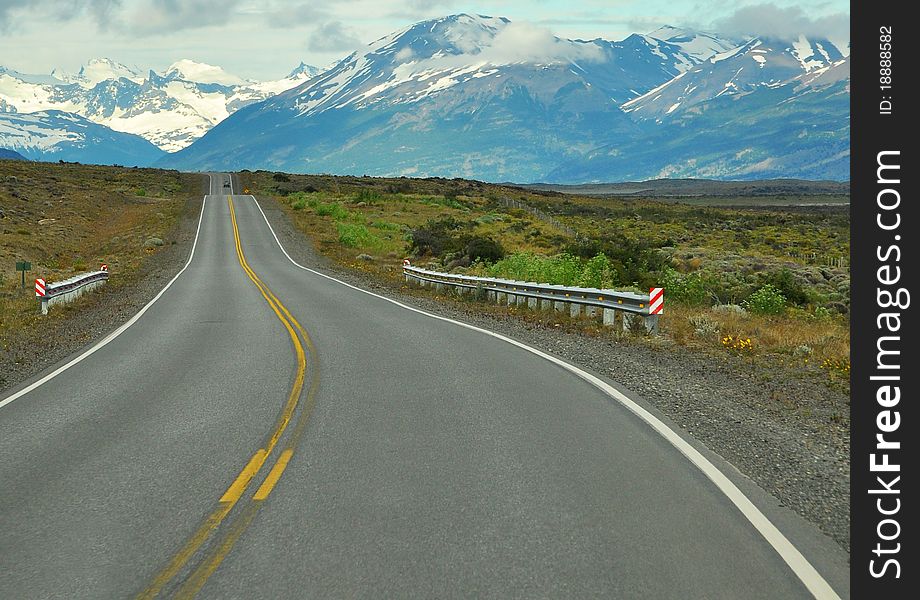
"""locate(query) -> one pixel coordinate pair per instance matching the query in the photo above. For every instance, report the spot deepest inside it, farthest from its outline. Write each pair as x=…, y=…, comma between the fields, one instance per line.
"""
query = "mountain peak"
x=700, y=45
x=97, y=70
x=303, y=70
x=453, y=34
x=201, y=72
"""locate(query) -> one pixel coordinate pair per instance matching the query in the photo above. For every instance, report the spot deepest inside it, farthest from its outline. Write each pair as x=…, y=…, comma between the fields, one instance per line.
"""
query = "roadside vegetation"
x=765, y=284
x=70, y=218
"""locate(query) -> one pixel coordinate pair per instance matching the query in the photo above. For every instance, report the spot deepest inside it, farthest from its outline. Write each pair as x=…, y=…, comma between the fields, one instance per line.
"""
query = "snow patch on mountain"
x=811, y=56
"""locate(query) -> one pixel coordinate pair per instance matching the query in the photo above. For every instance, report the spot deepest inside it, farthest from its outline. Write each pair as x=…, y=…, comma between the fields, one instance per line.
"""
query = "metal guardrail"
x=576, y=300
x=71, y=288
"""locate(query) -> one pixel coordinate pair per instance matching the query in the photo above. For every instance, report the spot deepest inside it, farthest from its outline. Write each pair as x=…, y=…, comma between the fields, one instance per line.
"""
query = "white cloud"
x=283, y=15
x=333, y=37
x=524, y=42
x=101, y=12
x=167, y=16
x=769, y=20
x=516, y=42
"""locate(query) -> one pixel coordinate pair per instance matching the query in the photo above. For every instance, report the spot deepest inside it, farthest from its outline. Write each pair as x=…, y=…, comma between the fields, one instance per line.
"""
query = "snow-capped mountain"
x=798, y=128
x=699, y=44
x=738, y=71
x=464, y=95
x=98, y=70
x=485, y=98
x=55, y=135
x=171, y=109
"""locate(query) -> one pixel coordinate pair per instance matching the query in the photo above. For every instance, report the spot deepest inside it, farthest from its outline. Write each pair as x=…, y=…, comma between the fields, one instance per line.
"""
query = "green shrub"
x=356, y=235
x=333, y=209
x=368, y=196
x=386, y=225
x=822, y=313
x=789, y=286
x=299, y=204
x=597, y=272
x=483, y=249
x=437, y=237
x=562, y=269
x=630, y=261
x=687, y=289
x=140, y=192
x=767, y=300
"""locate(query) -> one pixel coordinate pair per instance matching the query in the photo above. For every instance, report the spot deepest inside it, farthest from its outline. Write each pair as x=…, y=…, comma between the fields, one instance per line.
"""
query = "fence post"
x=610, y=317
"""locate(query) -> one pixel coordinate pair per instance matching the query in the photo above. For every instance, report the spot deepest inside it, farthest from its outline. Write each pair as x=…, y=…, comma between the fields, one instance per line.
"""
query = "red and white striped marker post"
x=104, y=267
x=39, y=288
x=656, y=301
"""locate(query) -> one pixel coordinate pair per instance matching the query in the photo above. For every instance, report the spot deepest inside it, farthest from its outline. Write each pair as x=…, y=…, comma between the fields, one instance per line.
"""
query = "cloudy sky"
x=264, y=39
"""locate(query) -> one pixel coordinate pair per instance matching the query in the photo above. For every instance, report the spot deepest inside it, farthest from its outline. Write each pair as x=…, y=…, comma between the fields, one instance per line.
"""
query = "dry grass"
x=70, y=218
x=794, y=340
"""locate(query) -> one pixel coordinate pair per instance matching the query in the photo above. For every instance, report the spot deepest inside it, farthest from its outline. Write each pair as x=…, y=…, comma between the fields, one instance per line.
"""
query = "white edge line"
x=122, y=328
x=803, y=569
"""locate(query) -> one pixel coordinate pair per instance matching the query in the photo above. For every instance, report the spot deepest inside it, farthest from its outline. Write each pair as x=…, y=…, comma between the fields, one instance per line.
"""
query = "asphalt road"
x=420, y=459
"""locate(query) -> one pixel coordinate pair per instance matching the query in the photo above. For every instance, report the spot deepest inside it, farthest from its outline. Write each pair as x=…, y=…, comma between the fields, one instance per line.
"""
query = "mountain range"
x=170, y=109
x=486, y=98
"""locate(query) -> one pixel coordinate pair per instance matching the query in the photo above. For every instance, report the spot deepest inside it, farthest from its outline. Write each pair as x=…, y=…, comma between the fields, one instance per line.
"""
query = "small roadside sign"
x=656, y=301
x=23, y=265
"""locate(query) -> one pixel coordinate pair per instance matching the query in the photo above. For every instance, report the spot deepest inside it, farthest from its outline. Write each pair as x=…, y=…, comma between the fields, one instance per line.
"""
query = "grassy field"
x=764, y=283
x=70, y=218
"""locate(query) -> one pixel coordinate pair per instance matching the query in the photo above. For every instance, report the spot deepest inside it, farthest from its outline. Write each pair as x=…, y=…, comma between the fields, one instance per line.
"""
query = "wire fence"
x=542, y=216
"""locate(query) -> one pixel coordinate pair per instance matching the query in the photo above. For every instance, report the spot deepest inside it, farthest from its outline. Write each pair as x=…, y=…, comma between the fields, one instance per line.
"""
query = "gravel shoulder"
x=95, y=315
x=774, y=427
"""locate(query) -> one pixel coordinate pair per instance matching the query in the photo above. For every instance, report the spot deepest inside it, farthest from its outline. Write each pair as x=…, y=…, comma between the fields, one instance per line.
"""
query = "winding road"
x=263, y=430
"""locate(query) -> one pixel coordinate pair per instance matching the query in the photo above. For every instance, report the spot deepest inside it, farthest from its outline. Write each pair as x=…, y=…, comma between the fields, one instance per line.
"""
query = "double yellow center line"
x=232, y=495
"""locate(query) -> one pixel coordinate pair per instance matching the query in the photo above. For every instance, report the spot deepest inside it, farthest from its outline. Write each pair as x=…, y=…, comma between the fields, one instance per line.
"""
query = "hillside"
x=11, y=155
x=464, y=96
x=53, y=135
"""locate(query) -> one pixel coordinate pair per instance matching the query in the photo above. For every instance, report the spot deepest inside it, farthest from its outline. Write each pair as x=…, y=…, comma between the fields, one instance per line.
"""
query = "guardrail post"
x=546, y=304
x=651, y=323
x=591, y=311
x=501, y=297
x=533, y=302
x=574, y=310
x=511, y=298
x=610, y=317
x=520, y=300
x=627, y=320
x=559, y=306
